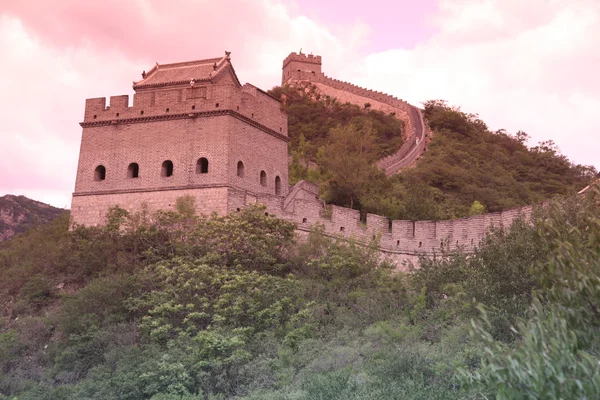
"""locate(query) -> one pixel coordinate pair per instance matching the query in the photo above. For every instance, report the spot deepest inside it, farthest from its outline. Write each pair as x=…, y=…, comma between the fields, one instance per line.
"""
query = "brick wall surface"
x=91, y=210
x=220, y=121
x=399, y=240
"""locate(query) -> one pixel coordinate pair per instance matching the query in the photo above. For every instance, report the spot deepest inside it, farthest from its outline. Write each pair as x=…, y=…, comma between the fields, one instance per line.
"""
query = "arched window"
x=167, y=168
x=277, y=185
x=263, y=178
x=100, y=173
x=240, y=169
x=202, y=166
x=133, y=170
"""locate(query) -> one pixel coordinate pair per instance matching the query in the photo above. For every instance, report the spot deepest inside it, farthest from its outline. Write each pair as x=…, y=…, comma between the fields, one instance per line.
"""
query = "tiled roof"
x=183, y=72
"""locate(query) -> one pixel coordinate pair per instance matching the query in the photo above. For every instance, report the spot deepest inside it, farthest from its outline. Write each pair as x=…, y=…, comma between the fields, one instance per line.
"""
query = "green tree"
x=348, y=159
x=477, y=208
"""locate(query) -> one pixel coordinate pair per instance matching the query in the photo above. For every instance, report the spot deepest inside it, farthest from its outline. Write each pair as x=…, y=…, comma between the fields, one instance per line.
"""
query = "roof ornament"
x=144, y=74
x=215, y=66
x=227, y=53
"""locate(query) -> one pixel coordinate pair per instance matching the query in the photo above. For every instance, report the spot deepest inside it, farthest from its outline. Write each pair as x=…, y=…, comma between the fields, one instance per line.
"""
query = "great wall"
x=194, y=130
x=300, y=68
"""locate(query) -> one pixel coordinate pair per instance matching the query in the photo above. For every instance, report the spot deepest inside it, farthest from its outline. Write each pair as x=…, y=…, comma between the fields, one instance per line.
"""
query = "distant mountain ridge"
x=18, y=213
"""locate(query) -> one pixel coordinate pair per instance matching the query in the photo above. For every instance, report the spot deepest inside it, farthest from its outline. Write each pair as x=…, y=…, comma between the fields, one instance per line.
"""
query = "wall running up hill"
x=298, y=68
x=399, y=240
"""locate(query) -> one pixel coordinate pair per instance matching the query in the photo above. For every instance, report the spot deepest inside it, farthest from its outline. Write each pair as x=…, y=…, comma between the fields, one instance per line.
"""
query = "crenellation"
x=94, y=107
x=378, y=224
x=345, y=218
x=259, y=107
x=444, y=230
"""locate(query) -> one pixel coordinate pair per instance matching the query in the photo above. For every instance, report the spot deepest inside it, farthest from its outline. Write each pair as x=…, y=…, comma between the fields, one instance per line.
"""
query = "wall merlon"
x=378, y=224
x=94, y=107
x=248, y=101
x=342, y=215
x=402, y=229
x=444, y=230
x=425, y=229
x=119, y=102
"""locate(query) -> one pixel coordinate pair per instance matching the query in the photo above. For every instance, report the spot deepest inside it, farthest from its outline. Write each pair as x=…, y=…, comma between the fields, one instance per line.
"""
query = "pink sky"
x=521, y=65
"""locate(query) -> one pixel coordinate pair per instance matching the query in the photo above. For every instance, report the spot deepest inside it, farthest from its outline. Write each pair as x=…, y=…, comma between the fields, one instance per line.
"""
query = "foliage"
x=467, y=168
x=348, y=163
x=548, y=363
x=557, y=355
x=172, y=305
x=190, y=297
x=311, y=117
x=476, y=208
x=500, y=274
x=467, y=162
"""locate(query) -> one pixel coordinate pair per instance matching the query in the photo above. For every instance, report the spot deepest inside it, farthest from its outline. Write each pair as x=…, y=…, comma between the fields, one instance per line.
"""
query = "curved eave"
x=173, y=83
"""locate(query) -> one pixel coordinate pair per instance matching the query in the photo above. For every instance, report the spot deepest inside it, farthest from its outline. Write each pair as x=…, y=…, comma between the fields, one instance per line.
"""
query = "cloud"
x=45, y=89
x=519, y=65
x=260, y=33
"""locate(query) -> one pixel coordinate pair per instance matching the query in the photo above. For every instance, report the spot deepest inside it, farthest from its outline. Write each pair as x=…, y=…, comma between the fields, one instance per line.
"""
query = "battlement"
x=300, y=63
x=247, y=102
x=309, y=59
x=396, y=237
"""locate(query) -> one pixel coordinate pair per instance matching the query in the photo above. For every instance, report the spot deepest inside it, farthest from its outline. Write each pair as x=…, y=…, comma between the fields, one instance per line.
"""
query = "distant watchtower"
x=300, y=66
x=194, y=130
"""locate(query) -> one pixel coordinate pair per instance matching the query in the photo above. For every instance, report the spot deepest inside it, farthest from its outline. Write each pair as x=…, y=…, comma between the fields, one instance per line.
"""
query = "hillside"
x=467, y=169
x=232, y=307
x=466, y=162
x=311, y=116
x=18, y=213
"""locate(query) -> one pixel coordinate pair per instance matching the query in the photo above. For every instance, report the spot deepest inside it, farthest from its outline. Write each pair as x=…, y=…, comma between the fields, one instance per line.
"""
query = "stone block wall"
x=182, y=141
x=400, y=240
x=91, y=210
x=218, y=121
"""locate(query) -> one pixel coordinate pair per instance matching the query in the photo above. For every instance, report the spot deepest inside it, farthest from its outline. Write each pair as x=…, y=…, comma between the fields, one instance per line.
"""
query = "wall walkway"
x=417, y=131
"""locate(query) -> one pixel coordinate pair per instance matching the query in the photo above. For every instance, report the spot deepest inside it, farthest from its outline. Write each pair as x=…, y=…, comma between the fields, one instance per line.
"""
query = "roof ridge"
x=173, y=72
x=190, y=63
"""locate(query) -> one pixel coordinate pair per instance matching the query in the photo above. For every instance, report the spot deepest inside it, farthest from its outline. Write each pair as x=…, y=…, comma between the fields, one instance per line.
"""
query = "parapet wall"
x=397, y=238
x=248, y=102
x=302, y=58
x=416, y=129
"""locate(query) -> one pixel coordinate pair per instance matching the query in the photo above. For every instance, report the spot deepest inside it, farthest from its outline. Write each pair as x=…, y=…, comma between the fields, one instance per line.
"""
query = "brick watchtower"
x=298, y=66
x=193, y=130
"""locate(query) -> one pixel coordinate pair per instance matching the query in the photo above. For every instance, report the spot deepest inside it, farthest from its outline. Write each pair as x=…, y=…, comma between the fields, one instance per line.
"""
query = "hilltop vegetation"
x=174, y=306
x=312, y=116
x=18, y=213
x=467, y=169
x=466, y=162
